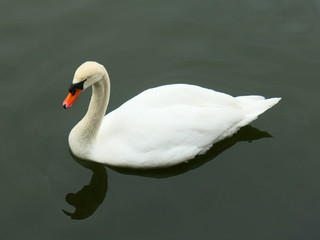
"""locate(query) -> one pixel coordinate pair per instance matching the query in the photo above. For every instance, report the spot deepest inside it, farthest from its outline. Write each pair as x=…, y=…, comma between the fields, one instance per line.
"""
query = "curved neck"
x=85, y=132
x=98, y=105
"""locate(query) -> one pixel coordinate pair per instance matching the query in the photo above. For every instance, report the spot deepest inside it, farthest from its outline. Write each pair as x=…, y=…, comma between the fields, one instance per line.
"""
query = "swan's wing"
x=166, y=126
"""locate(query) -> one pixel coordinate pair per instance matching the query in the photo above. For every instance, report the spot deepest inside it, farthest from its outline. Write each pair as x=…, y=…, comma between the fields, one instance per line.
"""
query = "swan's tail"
x=254, y=106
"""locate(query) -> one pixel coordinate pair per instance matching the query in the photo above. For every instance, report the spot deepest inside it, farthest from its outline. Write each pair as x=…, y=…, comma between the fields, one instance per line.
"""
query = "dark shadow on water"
x=247, y=133
x=88, y=199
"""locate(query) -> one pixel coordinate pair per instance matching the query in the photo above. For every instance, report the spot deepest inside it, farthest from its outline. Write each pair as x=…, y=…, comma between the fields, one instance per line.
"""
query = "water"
x=252, y=186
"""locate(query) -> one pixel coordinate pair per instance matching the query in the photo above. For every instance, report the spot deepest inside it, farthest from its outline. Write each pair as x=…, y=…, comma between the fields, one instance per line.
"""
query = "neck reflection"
x=89, y=198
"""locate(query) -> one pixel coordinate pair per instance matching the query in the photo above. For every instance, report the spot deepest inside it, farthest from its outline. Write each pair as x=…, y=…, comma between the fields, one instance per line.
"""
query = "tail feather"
x=254, y=106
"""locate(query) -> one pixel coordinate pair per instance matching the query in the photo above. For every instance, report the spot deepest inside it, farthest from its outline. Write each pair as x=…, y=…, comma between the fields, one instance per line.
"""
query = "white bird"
x=160, y=127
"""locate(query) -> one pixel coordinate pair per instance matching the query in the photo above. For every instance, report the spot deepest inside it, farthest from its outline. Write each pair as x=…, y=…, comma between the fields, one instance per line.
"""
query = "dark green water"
x=249, y=187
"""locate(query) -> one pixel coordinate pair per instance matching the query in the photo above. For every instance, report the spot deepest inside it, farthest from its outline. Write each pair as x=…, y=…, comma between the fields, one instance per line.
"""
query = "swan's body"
x=160, y=127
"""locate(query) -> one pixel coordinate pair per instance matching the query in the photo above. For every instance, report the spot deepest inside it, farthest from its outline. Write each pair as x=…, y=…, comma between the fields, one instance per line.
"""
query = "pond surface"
x=263, y=183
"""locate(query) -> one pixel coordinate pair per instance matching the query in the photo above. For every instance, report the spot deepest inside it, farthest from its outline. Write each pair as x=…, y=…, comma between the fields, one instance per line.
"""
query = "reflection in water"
x=247, y=133
x=88, y=199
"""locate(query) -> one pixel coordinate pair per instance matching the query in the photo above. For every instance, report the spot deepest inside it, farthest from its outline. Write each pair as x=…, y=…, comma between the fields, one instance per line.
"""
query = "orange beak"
x=71, y=98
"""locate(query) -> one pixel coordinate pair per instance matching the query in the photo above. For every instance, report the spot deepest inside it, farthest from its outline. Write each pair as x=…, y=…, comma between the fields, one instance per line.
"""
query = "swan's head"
x=86, y=75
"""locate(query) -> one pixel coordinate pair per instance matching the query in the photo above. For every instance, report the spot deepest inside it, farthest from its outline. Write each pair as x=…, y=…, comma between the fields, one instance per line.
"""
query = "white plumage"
x=160, y=127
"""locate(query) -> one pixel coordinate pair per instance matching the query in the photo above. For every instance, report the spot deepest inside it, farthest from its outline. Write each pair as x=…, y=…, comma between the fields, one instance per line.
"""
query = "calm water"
x=252, y=186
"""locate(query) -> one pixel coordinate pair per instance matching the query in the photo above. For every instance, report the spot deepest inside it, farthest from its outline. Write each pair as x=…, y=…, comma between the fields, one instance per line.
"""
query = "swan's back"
x=177, y=94
x=170, y=124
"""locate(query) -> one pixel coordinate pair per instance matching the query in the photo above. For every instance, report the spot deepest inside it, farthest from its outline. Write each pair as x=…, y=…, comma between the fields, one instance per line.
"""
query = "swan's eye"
x=74, y=86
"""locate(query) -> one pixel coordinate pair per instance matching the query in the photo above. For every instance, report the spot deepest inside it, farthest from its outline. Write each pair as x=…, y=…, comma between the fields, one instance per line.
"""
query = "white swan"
x=160, y=127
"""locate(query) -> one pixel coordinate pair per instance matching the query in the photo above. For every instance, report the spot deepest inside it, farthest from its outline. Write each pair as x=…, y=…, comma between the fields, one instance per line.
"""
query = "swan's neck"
x=84, y=133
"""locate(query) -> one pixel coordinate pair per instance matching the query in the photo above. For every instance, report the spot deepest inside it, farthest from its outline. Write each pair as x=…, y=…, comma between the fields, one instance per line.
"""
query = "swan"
x=159, y=127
